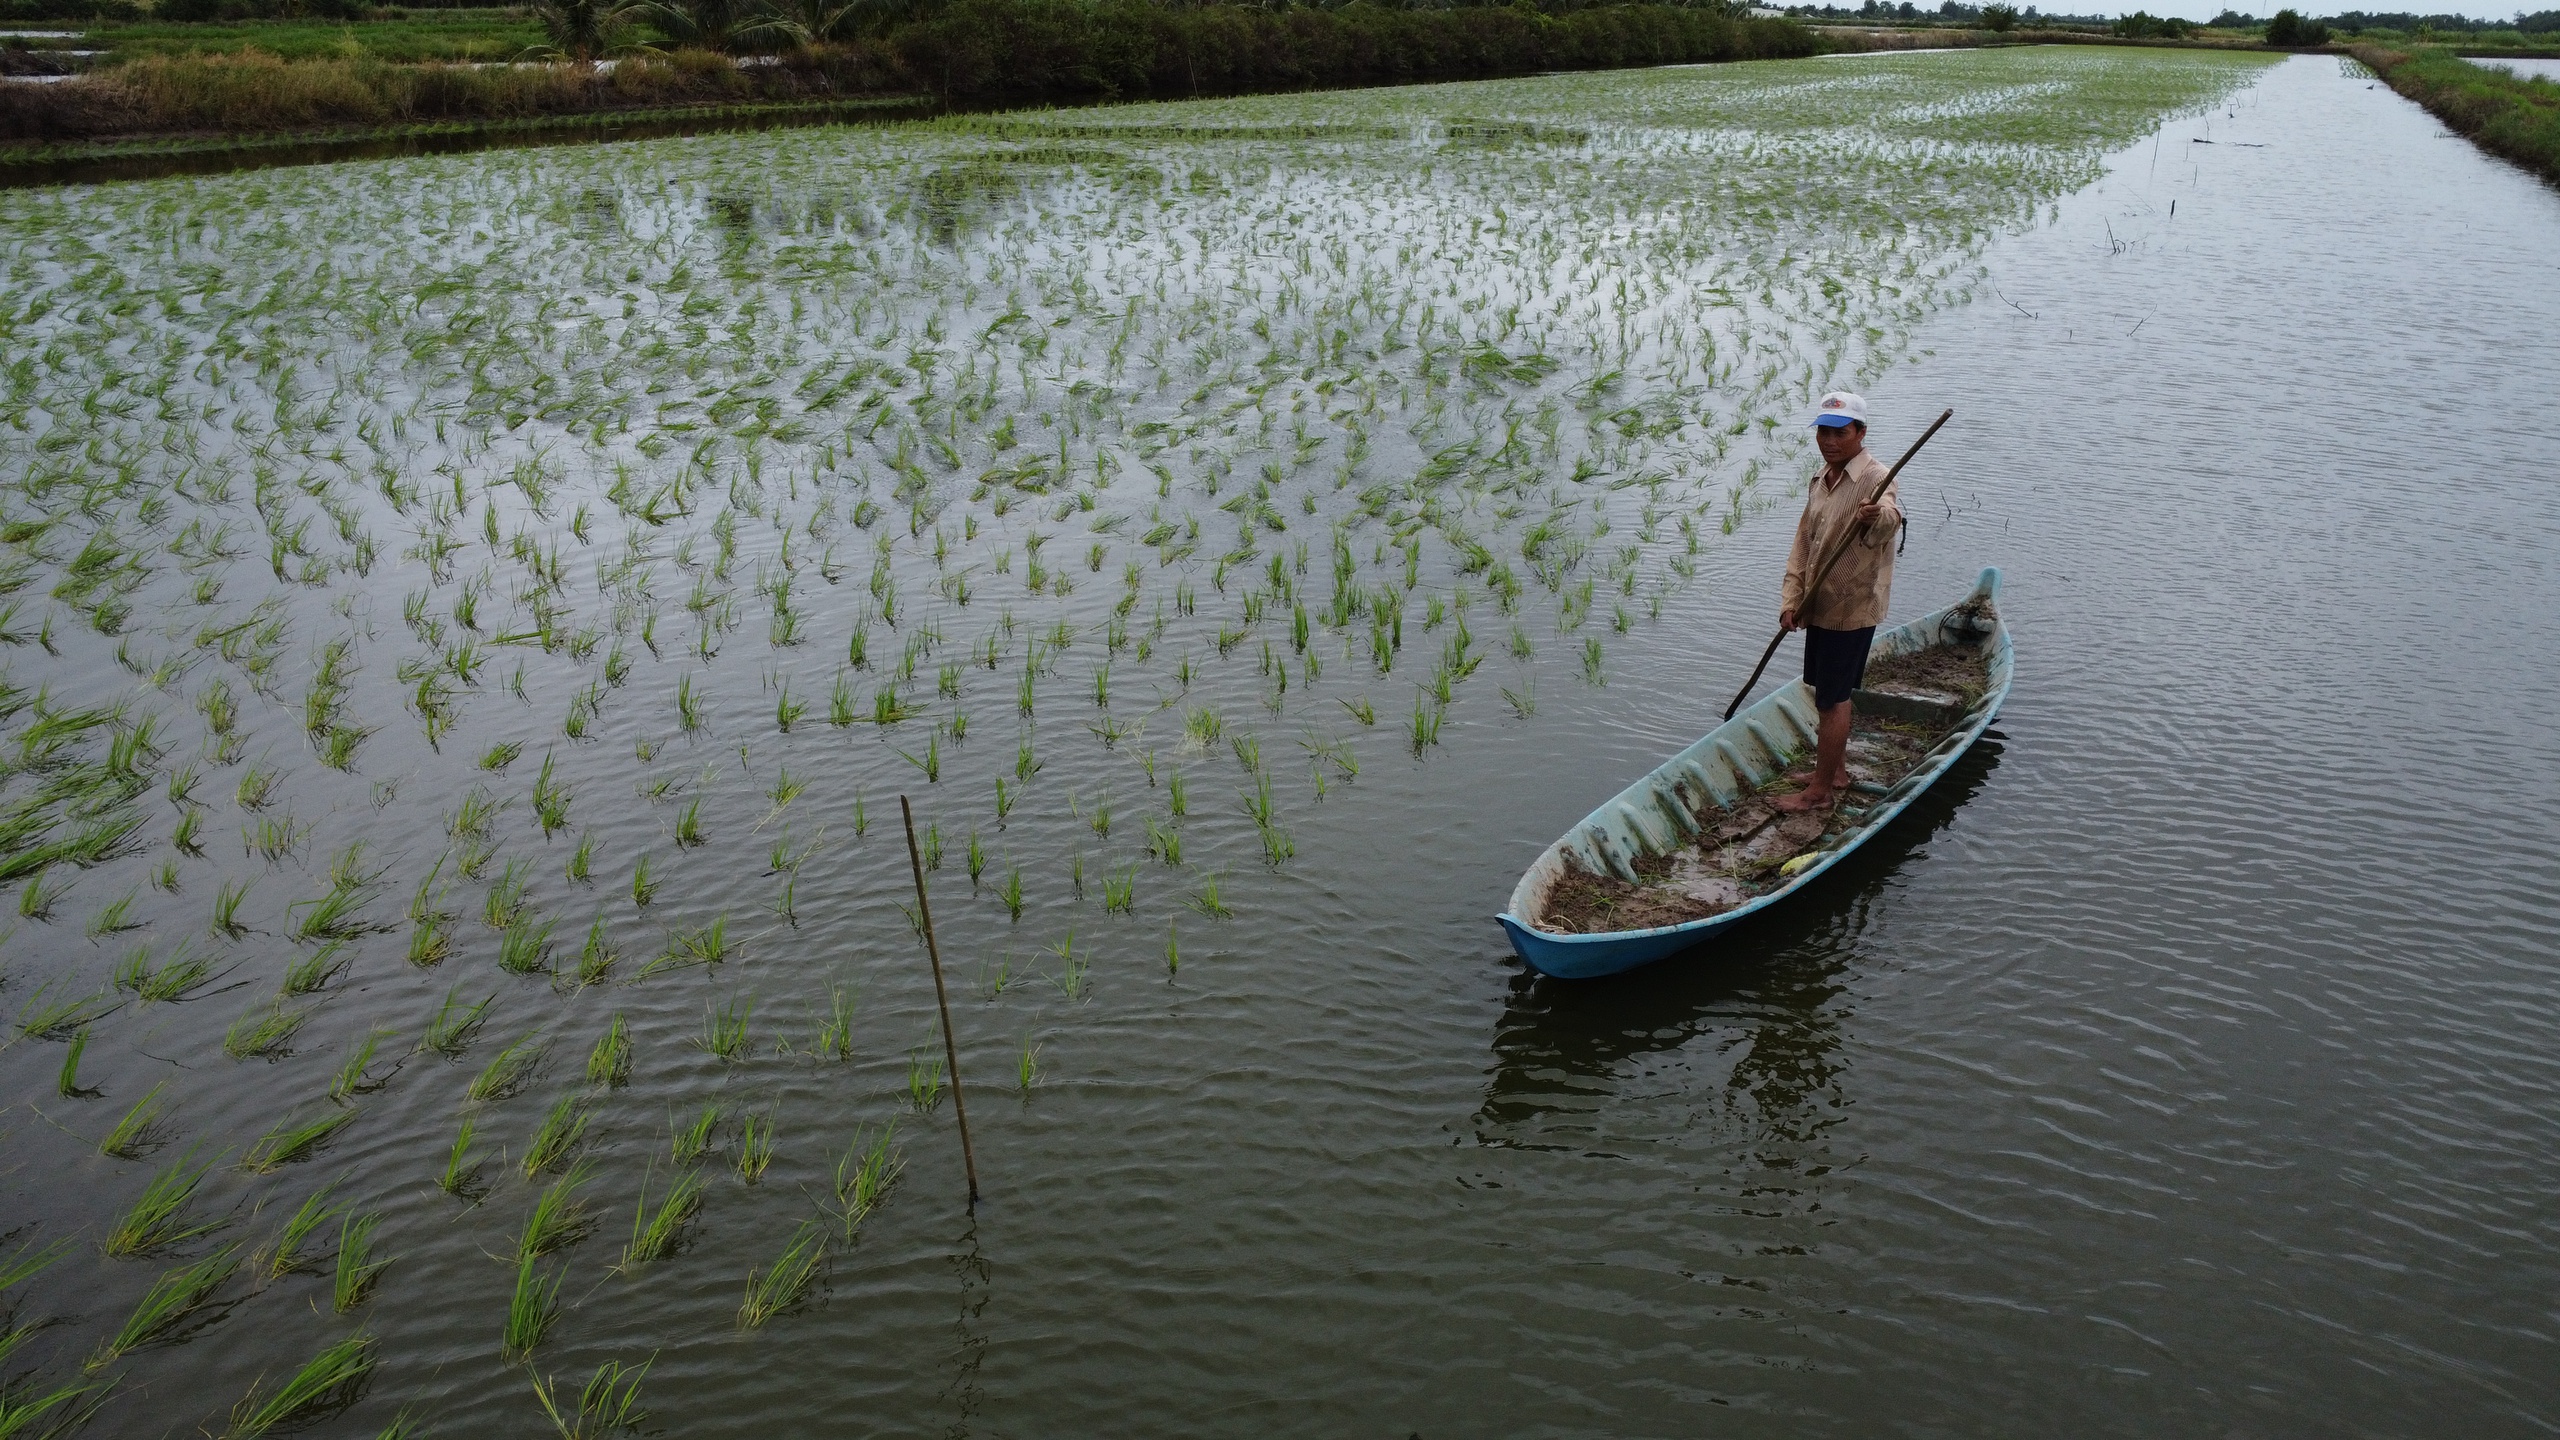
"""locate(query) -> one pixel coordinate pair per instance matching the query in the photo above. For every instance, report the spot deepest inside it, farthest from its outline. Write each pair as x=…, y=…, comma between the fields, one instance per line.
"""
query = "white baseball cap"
x=1839, y=408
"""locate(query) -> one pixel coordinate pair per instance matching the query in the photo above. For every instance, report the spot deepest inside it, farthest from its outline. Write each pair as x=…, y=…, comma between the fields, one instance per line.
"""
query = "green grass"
x=422, y=35
x=2507, y=115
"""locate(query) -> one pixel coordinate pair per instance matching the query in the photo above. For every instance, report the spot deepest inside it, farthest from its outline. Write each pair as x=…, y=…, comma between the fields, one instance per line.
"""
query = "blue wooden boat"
x=1708, y=794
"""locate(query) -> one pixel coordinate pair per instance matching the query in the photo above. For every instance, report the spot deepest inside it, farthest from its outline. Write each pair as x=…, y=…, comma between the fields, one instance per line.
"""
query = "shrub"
x=2289, y=31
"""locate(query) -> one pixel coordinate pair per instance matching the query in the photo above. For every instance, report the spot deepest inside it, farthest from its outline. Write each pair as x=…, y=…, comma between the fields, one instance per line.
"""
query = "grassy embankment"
x=2501, y=112
x=411, y=37
x=973, y=52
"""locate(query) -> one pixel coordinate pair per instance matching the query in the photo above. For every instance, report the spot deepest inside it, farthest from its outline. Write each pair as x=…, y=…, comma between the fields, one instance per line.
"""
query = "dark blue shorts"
x=1834, y=662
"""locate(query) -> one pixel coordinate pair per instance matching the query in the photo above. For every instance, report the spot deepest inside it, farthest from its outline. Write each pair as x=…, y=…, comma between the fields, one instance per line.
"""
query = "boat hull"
x=1661, y=810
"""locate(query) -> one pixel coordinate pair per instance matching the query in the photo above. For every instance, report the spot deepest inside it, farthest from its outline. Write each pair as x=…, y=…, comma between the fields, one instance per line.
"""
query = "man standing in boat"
x=1839, y=620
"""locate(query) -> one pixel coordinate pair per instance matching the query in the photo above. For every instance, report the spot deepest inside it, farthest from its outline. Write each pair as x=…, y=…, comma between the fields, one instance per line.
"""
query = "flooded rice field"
x=470, y=621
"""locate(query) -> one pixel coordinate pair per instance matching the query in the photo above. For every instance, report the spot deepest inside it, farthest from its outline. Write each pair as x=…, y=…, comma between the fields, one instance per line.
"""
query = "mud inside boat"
x=1908, y=702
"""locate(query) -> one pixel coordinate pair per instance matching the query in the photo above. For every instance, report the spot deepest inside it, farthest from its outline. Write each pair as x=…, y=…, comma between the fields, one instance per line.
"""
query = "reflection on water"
x=969, y=1332
x=1764, y=1003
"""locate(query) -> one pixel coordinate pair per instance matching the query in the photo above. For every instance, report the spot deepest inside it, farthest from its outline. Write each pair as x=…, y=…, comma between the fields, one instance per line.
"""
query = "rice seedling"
x=724, y=1029
x=835, y=1032
x=324, y=1384
x=257, y=788
x=357, y=1271
x=291, y=1252
x=507, y=1071
x=925, y=1082
x=265, y=1034
x=562, y=1129
x=114, y=918
x=461, y=1178
x=689, y=826
x=289, y=1142
x=498, y=757
x=140, y=1129
x=558, y=1218
x=864, y=1175
x=506, y=897
x=609, y=1404
x=160, y=1217
x=312, y=974
x=532, y=1310
x=691, y=1143
x=21, y=1411
x=658, y=1232
x=167, y=1306
x=1206, y=900
x=783, y=1285
x=66, y=1081
x=643, y=889
x=1120, y=891
x=755, y=1148
x=226, y=909
x=708, y=945
x=354, y=1075
x=609, y=1064
x=525, y=947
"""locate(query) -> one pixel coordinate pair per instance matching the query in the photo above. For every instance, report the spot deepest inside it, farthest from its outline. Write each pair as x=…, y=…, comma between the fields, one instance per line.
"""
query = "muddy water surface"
x=2183, y=1063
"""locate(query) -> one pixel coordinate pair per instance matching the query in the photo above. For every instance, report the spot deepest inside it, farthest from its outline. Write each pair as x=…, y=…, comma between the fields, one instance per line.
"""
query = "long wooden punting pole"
x=950, y=1049
x=1836, y=550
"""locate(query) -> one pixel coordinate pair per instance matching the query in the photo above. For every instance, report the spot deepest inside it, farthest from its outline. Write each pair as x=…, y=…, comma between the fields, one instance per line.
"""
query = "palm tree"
x=585, y=30
x=722, y=25
x=815, y=22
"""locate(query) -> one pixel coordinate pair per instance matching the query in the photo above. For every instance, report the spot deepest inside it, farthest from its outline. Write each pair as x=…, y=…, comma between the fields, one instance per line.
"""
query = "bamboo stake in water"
x=950, y=1050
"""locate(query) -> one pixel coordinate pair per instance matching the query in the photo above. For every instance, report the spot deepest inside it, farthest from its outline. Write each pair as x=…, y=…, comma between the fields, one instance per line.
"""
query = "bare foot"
x=1807, y=799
